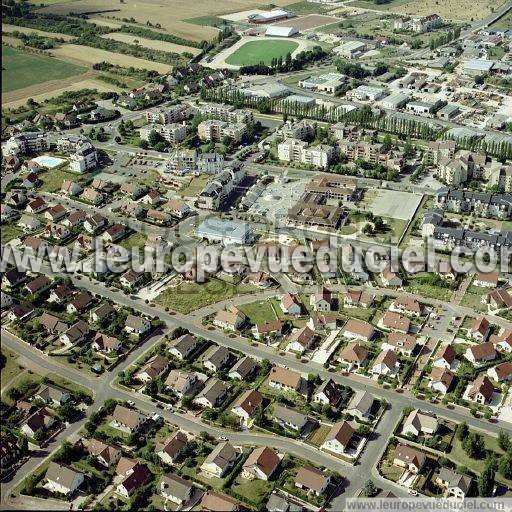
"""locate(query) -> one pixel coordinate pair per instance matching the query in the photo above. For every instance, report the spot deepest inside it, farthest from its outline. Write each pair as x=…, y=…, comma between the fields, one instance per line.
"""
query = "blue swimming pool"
x=49, y=161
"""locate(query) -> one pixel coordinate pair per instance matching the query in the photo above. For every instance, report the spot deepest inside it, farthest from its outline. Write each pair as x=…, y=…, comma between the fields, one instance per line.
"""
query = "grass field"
x=458, y=10
x=10, y=232
x=22, y=69
x=254, y=52
x=188, y=297
x=11, y=367
x=88, y=55
x=152, y=44
x=259, y=311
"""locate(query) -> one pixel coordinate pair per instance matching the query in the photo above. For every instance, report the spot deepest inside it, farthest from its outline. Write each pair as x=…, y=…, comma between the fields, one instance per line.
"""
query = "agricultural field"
x=170, y=15
x=88, y=55
x=26, y=30
x=254, y=52
x=456, y=10
x=152, y=44
x=22, y=69
x=504, y=23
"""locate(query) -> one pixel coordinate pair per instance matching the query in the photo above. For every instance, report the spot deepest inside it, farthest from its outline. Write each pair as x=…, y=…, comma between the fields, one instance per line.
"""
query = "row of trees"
x=451, y=35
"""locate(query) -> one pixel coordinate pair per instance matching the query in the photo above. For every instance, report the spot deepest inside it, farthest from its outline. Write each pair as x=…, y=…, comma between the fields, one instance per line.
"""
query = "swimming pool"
x=49, y=161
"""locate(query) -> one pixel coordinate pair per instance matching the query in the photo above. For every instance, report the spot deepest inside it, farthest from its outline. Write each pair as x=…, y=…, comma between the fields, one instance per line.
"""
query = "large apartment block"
x=219, y=188
x=215, y=130
x=293, y=150
x=226, y=113
x=183, y=161
x=27, y=142
x=173, y=133
x=166, y=115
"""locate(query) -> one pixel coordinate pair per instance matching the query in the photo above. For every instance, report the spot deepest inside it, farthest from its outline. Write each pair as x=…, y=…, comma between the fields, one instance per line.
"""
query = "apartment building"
x=483, y=204
x=84, y=158
x=293, y=150
x=301, y=130
x=226, y=113
x=212, y=195
x=27, y=142
x=173, y=133
x=215, y=130
x=166, y=115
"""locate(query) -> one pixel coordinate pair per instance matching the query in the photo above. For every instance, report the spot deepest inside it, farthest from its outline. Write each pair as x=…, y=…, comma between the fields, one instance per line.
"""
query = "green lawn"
x=209, y=21
x=254, y=52
x=10, y=232
x=306, y=8
x=459, y=456
x=505, y=22
x=22, y=69
x=11, y=367
x=379, y=7
x=187, y=297
x=195, y=185
x=255, y=491
x=473, y=298
x=259, y=311
x=136, y=239
x=52, y=179
x=317, y=437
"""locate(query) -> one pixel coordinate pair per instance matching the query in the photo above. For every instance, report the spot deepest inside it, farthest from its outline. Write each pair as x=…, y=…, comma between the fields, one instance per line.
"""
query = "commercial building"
x=277, y=31
x=478, y=67
x=270, y=16
x=329, y=82
x=366, y=92
x=395, y=101
x=225, y=232
x=350, y=49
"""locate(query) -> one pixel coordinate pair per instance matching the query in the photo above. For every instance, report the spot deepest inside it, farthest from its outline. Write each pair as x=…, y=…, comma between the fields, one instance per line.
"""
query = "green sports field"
x=22, y=69
x=254, y=52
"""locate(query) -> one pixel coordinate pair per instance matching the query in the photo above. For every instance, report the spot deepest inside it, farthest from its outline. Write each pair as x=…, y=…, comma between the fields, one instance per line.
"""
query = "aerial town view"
x=256, y=256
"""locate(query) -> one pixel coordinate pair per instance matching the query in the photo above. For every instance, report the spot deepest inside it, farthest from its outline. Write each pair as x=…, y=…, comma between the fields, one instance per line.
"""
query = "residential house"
x=301, y=340
x=61, y=293
x=39, y=421
x=407, y=305
x=55, y=213
x=482, y=353
x=107, y=455
x=455, y=484
x=486, y=279
x=157, y=365
x=501, y=372
x=386, y=364
x=246, y=405
x=284, y=379
x=361, y=405
x=171, y=448
x=213, y=502
x=243, y=369
x=13, y=277
x=52, y=395
x=358, y=298
x=29, y=223
x=181, y=382
x=71, y=188
x=106, y=344
x=261, y=464
x=290, y=304
x=182, y=347
x=391, y=278
x=127, y=420
x=220, y=460
x=94, y=223
x=21, y=312
x=409, y=458
x=321, y=301
x=75, y=334
x=480, y=329
x=213, y=394
x=114, y=233
x=441, y=379
x=339, y=438
x=102, y=313
x=135, y=476
x=445, y=357
x=175, y=489
x=420, y=422
x=289, y=418
x=481, y=391
x=312, y=480
x=137, y=325
x=38, y=284
x=52, y=324
x=401, y=343
x=61, y=479
x=217, y=359
x=267, y=329
x=75, y=219
x=394, y=321
x=354, y=355
x=359, y=330
x=80, y=303
x=231, y=319
x=327, y=393
x=499, y=299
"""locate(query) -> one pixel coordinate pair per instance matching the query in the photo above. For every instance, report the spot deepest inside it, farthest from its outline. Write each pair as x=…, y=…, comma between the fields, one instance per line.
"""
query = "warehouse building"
x=277, y=31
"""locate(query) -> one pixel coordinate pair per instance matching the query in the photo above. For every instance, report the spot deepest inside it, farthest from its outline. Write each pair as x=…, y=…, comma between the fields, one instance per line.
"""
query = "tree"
x=505, y=466
x=462, y=431
x=485, y=482
x=474, y=445
x=369, y=489
x=67, y=411
x=387, y=143
x=504, y=440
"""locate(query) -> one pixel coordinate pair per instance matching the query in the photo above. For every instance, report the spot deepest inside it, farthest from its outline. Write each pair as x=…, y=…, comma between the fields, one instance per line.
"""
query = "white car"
x=223, y=438
x=131, y=402
x=413, y=492
x=169, y=408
